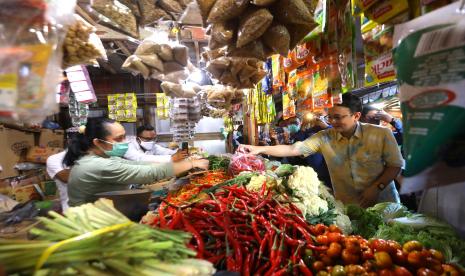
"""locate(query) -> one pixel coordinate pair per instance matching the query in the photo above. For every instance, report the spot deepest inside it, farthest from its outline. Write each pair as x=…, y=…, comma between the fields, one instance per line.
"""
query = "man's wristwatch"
x=381, y=186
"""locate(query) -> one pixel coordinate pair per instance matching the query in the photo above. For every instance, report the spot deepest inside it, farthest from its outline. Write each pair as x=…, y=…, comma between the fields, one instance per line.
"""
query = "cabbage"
x=390, y=210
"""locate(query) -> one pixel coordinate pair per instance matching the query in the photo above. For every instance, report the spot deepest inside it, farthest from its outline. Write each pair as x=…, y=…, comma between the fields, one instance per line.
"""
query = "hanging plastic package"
x=430, y=61
x=30, y=57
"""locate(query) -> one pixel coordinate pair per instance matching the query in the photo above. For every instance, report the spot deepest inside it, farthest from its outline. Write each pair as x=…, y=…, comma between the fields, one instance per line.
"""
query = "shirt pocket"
x=369, y=159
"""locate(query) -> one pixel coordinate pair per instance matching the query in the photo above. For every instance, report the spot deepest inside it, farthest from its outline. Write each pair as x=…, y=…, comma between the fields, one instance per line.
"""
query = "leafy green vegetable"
x=327, y=218
x=218, y=162
x=390, y=210
x=285, y=170
x=364, y=222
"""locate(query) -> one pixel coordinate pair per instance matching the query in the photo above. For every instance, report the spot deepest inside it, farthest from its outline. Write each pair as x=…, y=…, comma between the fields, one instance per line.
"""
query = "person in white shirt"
x=144, y=148
x=60, y=174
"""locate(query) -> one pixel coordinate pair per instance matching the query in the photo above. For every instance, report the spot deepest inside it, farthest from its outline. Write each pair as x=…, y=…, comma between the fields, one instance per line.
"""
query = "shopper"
x=315, y=161
x=373, y=115
x=60, y=174
x=144, y=148
x=98, y=167
x=362, y=159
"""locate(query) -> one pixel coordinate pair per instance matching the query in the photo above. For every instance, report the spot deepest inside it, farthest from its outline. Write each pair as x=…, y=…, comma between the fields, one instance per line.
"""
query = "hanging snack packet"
x=278, y=73
x=429, y=58
x=320, y=93
x=383, y=11
x=359, y=6
x=288, y=106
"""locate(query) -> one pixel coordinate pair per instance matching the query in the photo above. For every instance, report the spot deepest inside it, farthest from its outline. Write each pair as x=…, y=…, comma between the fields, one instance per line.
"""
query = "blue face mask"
x=119, y=149
x=293, y=128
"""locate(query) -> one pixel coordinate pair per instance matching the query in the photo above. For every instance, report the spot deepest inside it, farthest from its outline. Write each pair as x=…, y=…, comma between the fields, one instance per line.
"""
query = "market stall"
x=185, y=87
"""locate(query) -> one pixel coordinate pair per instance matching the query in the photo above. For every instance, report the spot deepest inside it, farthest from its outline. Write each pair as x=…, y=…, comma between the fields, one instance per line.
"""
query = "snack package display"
x=243, y=162
x=430, y=70
x=237, y=72
x=184, y=114
x=385, y=10
x=288, y=105
x=77, y=111
x=122, y=107
x=163, y=105
x=30, y=57
x=118, y=15
x=157, y=57
x=82, y=45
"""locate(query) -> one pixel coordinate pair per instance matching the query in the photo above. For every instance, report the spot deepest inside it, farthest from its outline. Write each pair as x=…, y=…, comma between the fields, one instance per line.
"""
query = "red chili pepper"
x=175, y=221
x=263, y=245
x=162, y=217
x=260, y=271
x=255, y=230
x=246, y=265
x=216, y=259
x=304, y=269
x=263, y=189
x=280, y=272
x=197, y=236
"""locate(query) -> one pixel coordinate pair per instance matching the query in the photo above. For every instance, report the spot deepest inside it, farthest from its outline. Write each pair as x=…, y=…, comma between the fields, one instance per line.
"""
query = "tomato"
x=426, y=272
x=326, y=259
x=368, y=265
x=318, y=266
x=334, y=237
x=400, y=257
x=333, y=228
x=411, y=246
x=334, y=250
x=450, y=270
x=414, y=258
x=322, y=273
x=434, y=265
x=349, y=258
x=383, y=260
x=367, y=254
x=322, y=239
x=393, y=246
x=338, y=270
x=355, y=269
x=437, y=255
x=318, y=229
x=402, y=271
x=386, y=272
x=379, y=245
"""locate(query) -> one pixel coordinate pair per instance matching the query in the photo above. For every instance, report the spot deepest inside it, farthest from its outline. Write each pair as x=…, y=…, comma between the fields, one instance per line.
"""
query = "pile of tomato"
x=354, y=255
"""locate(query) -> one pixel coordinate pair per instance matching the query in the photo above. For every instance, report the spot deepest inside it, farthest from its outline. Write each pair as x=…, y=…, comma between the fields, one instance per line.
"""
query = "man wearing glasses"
x=144, y=148
x=362, y=159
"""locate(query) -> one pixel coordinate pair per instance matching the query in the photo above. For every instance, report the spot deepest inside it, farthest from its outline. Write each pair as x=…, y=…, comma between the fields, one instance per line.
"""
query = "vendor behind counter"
x=97, y=166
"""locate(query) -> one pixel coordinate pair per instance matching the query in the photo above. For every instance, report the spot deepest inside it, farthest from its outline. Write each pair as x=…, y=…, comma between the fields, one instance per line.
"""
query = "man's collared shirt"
x=158, y=154
x=355, y=163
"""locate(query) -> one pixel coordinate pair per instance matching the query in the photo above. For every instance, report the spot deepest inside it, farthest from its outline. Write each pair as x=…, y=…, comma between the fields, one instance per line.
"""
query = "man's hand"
x=384, y=116
x=369, y=197
x=255, y=150
x=178, y=156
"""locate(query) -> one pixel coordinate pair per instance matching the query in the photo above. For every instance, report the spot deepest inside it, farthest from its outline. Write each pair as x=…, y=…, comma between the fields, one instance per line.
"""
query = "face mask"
x=119, y=149
x=293, y=128
x=147, y=145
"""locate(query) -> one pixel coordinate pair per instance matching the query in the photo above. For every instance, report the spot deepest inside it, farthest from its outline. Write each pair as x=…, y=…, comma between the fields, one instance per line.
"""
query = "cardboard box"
x=51, y=138
x=40, y=154
x=13, y=145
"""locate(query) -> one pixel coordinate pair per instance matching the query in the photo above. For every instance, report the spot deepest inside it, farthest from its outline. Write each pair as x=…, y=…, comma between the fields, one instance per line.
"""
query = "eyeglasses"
x=337, y=118
x=145, y=139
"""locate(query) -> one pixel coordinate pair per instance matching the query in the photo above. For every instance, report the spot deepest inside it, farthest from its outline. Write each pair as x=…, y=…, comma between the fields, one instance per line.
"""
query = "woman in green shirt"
x=97, y=166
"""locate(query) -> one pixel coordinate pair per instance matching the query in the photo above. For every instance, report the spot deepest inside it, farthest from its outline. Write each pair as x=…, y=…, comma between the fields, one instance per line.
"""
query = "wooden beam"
x=122, y=47
x=85, y=15
x=107, y=66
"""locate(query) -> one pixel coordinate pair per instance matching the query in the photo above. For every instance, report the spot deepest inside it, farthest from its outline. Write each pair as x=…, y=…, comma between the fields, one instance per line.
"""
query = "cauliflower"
x=256, y=183
x=314, y=205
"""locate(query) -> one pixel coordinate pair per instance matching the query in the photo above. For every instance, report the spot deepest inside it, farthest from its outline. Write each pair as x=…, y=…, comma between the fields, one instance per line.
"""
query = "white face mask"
x=147, y=145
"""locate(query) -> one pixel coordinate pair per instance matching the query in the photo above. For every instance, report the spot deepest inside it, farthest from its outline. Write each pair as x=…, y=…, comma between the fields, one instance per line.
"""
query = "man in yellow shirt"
x=362, y=159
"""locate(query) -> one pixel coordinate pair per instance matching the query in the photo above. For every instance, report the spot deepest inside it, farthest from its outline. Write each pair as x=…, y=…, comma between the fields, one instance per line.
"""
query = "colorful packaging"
x=346, y=59
x=385, y=10
x=288, y=106
x=430, y=64
x=279, y=76
x=122, y=107
x=320, y=94
x=359, y=6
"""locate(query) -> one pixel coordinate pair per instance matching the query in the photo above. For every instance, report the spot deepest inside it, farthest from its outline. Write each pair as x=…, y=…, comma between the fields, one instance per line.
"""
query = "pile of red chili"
x=197, y=184
x=244, y=231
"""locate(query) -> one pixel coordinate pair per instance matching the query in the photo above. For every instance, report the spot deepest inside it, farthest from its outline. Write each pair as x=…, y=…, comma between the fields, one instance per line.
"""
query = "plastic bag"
x=180, y=54
x=224, y=10
x=151, y=13
x=253, y=50
x=81, y=45
x=298, y=32
x=252, y=26
x=205, y=7
x=136, y=66
x=153, y=61
x=278, y=39
x=132, y=5
x=293, y=12
x=119, y=15
x=263, y=3
x=30, y=57
x=431, y=81
x=243, y=162
x=223, y=32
